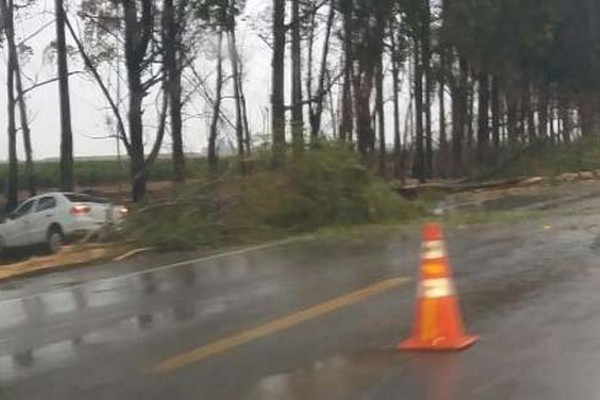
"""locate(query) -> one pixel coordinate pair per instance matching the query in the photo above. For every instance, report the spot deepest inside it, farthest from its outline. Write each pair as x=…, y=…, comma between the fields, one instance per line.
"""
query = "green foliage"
x=327, y=186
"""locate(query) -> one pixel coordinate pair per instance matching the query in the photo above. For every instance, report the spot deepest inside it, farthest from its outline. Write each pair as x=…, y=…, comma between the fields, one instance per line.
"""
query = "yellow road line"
x=269, y=328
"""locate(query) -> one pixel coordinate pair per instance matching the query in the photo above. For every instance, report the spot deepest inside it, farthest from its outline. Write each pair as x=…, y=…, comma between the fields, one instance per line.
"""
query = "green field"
x=102, y=172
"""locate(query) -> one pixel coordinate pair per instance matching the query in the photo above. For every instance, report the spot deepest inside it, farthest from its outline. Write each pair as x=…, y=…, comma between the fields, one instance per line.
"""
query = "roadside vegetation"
x=548, y=160
x=328, y=186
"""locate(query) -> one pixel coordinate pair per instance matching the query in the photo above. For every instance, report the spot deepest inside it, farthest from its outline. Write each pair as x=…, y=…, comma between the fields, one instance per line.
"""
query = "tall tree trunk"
x=543, y=113
x=567, y=122
x=380, y=112
x=239, y=123
x=362, y=89
x=483, y=126
x=426, y=62
x=12, y=191
x=348, y=108
x=442, y=114
x=173, y=85
x=495, y=116
x=347, y=120
x=296, y=79
x=277, y=85
x=66, y=137
x=419, y=170
x=470, y=116
x=459, y=116
x=315, y=116
x=511, y=116
x=553, y=130
x=586, y=115
x=247, y=135
x=309, y=71
x=214, y=124
x=135, y=49
x=529, y=113
x=396, y=88
x=29, y=169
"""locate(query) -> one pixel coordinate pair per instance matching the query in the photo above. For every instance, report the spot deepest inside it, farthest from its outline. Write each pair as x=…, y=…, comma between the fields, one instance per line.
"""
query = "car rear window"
x=84, y=198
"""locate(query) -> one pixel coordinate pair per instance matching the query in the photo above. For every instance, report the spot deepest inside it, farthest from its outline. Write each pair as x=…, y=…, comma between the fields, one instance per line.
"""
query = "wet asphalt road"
x=531, y=290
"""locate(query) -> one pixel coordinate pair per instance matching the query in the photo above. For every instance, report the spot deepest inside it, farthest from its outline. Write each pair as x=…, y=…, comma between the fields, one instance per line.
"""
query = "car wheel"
x=54, y=239
x=2, y=247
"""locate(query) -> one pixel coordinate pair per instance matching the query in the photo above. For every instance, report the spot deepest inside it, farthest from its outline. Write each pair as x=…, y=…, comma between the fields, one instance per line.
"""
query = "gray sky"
x=88, y=105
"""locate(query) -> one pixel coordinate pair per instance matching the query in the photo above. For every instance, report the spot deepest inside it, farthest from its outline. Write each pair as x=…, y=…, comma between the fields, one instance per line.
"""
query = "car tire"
x=2, y=247
x=54, y=239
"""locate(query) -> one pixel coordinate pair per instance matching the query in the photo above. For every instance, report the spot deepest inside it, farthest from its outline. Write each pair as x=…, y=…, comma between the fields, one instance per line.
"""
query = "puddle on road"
x=324, y=379
x=372, y=375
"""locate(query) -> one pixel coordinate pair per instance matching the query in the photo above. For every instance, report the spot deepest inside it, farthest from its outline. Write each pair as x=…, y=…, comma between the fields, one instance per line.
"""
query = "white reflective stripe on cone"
x=433, y=250
x=436, y=288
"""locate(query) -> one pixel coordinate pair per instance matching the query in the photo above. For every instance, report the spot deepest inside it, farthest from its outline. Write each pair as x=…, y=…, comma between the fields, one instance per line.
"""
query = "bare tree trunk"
x=470, y=116
x=309, y=72
x=29, y=169
x=347, y=123
x=137, y=37
x=586, y=115
x=529, y=113
x=543, y=113
x=552, y=111
x=296, y=79
x=567, y=122
x=511, y=116
x=496, y=116
x=239, y=123
x=483, y=127
x=277, y=85
x=442, y=116
x=214, y=125
x=66, y=144
x=363, y=88
x=396, y=88
x=247, y=134
x=173, y=85
x=315, y=116
x=426, y=63
x=380, y=113
x=333, y=112
x=459, y=116
x=12, y=184
x=419, y=168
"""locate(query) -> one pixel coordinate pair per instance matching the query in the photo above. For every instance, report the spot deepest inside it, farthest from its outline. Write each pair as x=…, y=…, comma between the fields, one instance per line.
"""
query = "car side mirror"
x=12, y=216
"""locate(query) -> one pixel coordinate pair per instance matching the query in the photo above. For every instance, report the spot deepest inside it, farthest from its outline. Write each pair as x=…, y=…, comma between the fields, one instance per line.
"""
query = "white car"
x=50, y=218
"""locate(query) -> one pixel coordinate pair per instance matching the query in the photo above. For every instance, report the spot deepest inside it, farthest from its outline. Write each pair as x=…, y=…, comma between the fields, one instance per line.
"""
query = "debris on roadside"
x=70, y=256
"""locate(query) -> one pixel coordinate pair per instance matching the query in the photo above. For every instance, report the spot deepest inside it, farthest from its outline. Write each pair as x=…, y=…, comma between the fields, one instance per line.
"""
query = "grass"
x=551, y=160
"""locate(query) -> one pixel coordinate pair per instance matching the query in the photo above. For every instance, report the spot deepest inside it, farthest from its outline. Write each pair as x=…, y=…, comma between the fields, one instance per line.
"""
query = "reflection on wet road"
x=522, y=289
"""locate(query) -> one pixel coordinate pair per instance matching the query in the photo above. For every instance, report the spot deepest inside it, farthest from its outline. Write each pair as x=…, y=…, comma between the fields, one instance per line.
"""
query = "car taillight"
x=80, y=209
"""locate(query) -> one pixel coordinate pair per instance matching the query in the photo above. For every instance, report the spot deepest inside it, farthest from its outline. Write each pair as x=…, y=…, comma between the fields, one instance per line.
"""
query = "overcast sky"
x=88, y=105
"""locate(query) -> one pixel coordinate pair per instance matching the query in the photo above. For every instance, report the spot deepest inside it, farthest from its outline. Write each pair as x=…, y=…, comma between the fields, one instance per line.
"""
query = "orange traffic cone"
x=438, y=324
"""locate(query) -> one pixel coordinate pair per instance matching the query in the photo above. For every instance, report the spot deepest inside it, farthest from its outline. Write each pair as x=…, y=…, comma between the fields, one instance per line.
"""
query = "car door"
x=17, y=230
x=42, y=218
